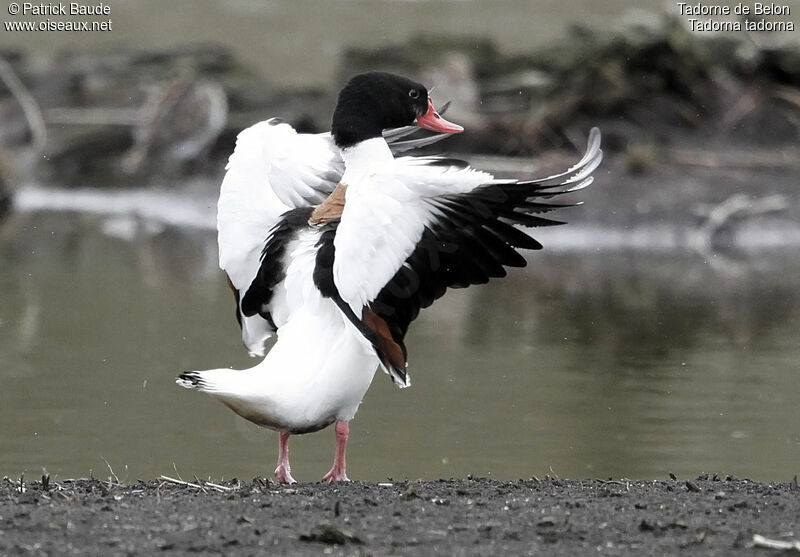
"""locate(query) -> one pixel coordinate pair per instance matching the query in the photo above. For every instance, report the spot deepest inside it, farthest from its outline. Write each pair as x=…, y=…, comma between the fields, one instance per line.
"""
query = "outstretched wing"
x=403, y=241
x=272, y=170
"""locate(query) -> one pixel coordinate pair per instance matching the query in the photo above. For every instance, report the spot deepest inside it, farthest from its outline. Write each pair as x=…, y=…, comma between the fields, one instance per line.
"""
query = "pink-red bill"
x=432, y=121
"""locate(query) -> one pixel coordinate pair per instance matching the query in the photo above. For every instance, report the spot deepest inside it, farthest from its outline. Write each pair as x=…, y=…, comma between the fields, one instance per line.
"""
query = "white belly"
x=317, y=372
x=319, y=369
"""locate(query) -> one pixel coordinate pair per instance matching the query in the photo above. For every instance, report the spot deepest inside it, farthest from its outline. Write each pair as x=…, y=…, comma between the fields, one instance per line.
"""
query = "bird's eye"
x=414, y=94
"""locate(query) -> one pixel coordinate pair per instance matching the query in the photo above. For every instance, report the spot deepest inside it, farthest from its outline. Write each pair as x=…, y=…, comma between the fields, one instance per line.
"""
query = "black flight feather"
x=273, y=267
x=472, y=238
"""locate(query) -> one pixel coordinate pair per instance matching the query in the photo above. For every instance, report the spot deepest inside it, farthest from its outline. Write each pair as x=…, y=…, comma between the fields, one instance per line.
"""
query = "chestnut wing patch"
x=331, y=208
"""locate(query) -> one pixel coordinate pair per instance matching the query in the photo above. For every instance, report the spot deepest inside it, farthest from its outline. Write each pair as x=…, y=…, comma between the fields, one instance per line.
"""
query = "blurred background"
x=657, y=332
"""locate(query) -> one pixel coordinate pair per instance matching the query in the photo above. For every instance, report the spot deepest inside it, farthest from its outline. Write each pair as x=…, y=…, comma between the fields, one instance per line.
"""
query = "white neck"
x=365, y=155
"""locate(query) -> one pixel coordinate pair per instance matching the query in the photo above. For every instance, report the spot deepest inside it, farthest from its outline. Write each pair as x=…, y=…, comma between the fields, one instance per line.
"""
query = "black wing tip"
x=450, y=162
x=190, y=379
x=399, y=377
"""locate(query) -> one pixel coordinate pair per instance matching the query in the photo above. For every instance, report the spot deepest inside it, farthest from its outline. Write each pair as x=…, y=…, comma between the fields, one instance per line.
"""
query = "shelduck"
x=335, y=243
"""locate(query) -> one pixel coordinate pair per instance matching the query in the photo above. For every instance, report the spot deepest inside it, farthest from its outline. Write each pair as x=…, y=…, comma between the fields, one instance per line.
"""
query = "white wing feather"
x=384, y=217
x=386, y=212
x=273, y=169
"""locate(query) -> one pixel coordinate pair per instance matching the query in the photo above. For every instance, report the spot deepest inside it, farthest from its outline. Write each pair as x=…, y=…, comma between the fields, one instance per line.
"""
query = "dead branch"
x=738, y=207
x=179, y=482
x=113, y=475
x=94, y=116
x=30, y=108
x=789, y=95
x=198, y=485
x=721, y=217
x=218, y=487
x=767, y=543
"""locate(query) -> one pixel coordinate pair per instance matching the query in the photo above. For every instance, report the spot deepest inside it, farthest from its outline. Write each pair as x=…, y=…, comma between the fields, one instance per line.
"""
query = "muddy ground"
x=704, y=516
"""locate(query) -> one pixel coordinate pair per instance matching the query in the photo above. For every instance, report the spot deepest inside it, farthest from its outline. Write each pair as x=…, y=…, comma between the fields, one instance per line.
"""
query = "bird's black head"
x=374, y=101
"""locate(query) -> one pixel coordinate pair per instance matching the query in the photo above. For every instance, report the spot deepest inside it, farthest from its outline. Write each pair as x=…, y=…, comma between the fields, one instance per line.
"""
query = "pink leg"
x=283, y=473
x=337, y=473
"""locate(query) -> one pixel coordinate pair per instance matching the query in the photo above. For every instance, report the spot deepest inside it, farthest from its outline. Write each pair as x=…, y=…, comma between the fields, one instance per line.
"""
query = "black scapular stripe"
x=273, y=267
x=323, y=280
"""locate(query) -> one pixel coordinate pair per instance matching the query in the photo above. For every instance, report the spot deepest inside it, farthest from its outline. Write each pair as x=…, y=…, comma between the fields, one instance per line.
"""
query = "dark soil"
x=446, y=517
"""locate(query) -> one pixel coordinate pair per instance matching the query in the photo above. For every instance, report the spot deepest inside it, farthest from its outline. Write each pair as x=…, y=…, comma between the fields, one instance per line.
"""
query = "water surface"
x=611, y=363
x=599, y=363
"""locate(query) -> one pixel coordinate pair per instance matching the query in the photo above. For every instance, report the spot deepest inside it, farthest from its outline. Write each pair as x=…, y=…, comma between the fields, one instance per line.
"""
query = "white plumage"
x=340, y=289
x=388, y=207
x=318, y=370
x=272, y=169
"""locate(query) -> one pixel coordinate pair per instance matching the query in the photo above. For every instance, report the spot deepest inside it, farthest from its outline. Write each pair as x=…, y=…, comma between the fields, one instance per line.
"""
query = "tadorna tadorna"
x=335, y=244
